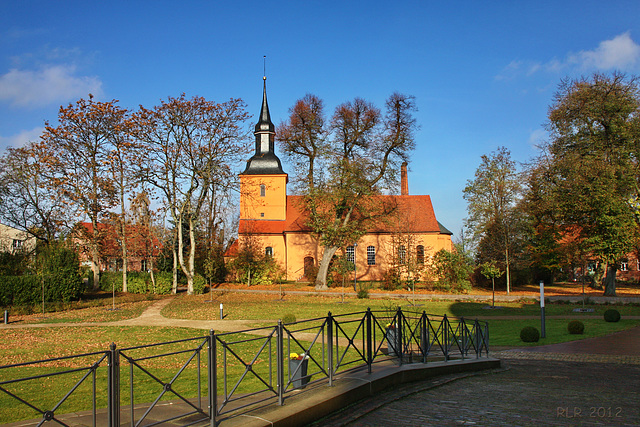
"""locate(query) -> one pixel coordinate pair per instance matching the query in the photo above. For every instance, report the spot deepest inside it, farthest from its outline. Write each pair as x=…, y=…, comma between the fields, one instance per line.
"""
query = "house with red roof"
x=278, y=222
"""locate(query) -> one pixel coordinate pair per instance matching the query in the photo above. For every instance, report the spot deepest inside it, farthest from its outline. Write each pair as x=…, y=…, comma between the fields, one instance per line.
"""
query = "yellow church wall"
x=301, y=245
x=271, y=205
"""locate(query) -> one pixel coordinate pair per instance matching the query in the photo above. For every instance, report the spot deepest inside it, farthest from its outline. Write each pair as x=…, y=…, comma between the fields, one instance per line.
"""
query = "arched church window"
x=263, y=190
x=371, y=255
x=420, y=254
x=268, y=251
x=351, y=254
x=402, y=254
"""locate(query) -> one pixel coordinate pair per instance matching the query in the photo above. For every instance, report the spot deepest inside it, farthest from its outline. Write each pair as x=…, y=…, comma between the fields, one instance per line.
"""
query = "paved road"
x=589, y=382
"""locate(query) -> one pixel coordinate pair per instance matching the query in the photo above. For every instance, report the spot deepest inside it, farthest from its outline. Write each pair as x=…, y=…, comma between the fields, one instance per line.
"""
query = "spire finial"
x=264, y=67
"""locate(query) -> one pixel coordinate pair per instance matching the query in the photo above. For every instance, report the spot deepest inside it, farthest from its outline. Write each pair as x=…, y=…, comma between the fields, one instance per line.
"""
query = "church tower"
x=263, y=184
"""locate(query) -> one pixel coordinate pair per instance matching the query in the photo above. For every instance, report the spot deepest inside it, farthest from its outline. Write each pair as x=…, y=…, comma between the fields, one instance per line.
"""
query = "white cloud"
x=621, y=52
x=21, y=139
x=52, y=84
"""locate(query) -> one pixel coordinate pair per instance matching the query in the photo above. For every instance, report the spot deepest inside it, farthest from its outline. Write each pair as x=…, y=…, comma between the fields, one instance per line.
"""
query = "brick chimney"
x=404, y=181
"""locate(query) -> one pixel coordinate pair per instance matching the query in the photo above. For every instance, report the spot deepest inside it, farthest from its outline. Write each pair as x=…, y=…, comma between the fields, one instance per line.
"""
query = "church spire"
x=265, y=124
x=264, y=161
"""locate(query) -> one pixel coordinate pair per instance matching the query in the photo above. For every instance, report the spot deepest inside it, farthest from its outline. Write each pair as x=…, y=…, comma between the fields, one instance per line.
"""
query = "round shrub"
x=575, y=327
x=612, y=315
x=529, y=334
x=288, y=318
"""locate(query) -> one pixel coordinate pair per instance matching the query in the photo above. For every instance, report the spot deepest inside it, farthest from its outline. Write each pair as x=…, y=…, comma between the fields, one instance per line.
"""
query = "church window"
x=402, y=255
x=263, y=190
x=351, y=254
x=268, y=251
x=371, y=255
x=420, y=254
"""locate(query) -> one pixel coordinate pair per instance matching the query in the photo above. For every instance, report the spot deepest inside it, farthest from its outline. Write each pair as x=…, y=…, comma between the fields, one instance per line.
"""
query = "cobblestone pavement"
x=589, y=382
x=523, y=393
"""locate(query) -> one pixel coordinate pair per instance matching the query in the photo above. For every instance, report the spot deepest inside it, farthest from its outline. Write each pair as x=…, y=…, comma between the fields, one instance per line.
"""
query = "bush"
x=138, y=283
x=164, y=282
x=575, y=327
x=363, y=293
x=60, y=275
x=391, y=280
x=529, y=334
x=453, y=270
x=199, y=283
x=612, y=315
x=288, y=318
x=61, y=270
x=110, y=280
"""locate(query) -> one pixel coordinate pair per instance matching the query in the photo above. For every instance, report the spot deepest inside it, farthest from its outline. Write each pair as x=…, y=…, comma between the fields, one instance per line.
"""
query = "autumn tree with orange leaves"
x=77, y=154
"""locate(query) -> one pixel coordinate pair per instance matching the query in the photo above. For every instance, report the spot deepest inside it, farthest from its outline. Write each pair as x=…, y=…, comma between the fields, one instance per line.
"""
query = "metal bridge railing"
x=231, y=372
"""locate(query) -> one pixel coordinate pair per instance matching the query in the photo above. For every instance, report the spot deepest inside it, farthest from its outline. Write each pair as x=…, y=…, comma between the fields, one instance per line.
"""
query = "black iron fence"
x=223, y=374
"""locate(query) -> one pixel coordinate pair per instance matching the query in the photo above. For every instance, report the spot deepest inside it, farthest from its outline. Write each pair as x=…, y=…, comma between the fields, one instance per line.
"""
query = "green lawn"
x=28, y=344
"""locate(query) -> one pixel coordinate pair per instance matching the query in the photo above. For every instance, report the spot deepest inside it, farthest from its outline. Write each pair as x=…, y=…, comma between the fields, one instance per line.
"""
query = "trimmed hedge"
x=60, y=276
x=138, y=282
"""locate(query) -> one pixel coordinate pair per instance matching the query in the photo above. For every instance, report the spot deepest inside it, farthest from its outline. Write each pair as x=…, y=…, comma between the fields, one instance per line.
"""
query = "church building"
x=278, y=225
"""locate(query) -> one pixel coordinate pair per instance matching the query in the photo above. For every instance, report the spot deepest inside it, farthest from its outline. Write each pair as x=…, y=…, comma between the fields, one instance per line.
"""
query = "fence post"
x=280, y=362
x=486, y=337
x=330, y=348
x=445, y=338
x=423, y=336
x=213, y=376
x=399, y=334
x=464, y=340
x=113, y=381
x=369, y=341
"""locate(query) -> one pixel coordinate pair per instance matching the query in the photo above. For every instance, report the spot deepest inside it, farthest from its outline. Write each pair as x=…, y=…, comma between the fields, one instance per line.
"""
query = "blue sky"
x=483, y=73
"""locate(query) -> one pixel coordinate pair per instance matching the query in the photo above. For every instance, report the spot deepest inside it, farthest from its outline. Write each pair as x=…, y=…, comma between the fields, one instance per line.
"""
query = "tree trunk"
x=153, y=277
x=192, y=256
x=507, y=270
x=174, y=288
x=95, y=257
x=125, y=256
x=323, y=268
x=185, y=269
x=610, y=280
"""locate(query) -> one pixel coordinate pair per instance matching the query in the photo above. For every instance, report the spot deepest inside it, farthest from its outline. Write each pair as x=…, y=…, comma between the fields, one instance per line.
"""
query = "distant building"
x=142, y=246
x=14, y=241
x=278, y=222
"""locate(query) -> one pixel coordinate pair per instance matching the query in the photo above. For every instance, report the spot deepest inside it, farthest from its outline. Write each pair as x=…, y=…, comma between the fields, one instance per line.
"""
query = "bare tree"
x=189, y=146
x=26, y=202
x=362, y=154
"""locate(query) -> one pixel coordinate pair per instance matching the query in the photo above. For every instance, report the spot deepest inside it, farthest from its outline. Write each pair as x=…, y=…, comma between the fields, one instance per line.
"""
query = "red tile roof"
x=412, y=214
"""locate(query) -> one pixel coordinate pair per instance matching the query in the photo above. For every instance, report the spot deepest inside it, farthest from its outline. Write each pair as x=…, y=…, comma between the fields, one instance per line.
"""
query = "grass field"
x=23, y=345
